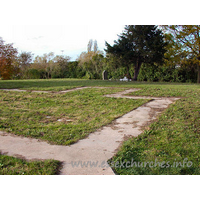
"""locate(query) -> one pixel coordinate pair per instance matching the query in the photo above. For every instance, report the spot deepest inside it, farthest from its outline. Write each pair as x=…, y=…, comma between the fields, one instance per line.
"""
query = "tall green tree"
x=139, y=44
x=187, y=39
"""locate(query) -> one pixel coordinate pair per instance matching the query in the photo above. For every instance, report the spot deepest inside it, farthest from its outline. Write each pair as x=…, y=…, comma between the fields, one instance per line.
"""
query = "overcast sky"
x=43, y=26
x=73, y=39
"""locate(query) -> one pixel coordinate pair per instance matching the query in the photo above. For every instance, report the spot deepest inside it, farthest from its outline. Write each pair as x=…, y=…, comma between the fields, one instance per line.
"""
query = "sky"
x=66, y=40
x=43, y=26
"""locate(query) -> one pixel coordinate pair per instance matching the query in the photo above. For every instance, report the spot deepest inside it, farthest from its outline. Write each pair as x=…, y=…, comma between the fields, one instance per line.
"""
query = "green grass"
x=41, y=84
x=63, y=84
x=16, y=166
x=55, y=84
x=172, y=138
x=168, y=90
x=36, y=115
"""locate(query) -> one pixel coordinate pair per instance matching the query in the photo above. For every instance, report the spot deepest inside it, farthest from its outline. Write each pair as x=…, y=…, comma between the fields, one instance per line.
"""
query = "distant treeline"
x=93, y=70
x=144, y=53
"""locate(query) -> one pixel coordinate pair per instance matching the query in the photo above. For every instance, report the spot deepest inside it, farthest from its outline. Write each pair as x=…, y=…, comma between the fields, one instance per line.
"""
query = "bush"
x=149, y=73
x=167, y=73
x=33, y=74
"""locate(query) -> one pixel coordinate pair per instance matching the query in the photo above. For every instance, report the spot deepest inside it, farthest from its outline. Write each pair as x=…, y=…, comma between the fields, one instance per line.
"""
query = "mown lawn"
x=64, y=84
x=173, y=138
x=16, y=166
x=61, y=118
x=56, y=84
x=171, y=145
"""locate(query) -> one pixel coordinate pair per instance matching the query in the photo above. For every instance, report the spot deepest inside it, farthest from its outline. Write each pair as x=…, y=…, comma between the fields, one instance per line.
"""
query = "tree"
x=7, y=57
x=87, y=56
x=95, y=46
x=98, y=61
x=61, y=65
x=187, y=40
x=137, y=45
x=44, y=63
x=25, y=59
x=24, y=62
x=90, y=43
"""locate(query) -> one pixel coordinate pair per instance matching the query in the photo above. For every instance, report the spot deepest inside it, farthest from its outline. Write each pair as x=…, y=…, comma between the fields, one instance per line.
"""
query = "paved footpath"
x=89, y=156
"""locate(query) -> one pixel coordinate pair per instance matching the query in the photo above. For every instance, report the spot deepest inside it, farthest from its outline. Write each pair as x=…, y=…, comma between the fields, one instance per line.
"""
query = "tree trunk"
x=137, y=70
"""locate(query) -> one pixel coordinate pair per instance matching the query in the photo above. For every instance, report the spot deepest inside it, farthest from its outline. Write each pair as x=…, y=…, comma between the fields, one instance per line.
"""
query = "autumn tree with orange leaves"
x=7, y=57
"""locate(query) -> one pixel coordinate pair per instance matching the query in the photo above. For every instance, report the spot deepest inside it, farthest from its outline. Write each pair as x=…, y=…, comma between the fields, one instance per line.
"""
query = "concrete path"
x=89, y=156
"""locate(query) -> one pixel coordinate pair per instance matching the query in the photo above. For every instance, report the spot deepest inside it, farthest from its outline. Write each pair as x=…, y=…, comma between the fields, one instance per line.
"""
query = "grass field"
x=63, y=84
x=61, y=118
x=173, y=137
x=16, y=166
x=171, y=145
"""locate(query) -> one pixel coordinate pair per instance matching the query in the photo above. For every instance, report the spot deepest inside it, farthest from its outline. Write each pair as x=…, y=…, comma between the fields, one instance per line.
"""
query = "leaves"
x=7, y=57
x=139, y=44
x=185, y=43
